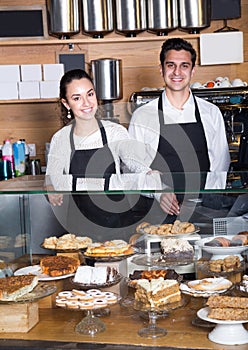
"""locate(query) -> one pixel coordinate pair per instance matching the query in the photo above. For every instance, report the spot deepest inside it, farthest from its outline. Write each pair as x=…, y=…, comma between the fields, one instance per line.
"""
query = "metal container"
x=131, y=16
x=162, y=16
x=97, y=17
x=107, y=78
x=63, y=17
x=194, y=15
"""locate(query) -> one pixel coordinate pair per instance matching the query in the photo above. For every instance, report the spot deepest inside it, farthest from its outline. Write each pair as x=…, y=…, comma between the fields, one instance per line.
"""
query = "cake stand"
x=152, y=330
x=90, y=324
x=225, y=332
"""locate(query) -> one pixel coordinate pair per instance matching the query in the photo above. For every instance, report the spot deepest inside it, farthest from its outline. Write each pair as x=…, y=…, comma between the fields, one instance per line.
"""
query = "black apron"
x=182, y=148
x=99, y=211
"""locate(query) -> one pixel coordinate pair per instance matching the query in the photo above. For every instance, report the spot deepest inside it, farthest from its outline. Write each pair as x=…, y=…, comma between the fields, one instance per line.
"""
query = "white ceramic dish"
x=221, y=252
x=225, y=332
x=36, y=270
x=186, y=289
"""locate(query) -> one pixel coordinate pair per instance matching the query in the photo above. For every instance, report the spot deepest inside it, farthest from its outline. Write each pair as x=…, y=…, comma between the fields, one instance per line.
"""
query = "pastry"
x=58, y=265
x=14, y=287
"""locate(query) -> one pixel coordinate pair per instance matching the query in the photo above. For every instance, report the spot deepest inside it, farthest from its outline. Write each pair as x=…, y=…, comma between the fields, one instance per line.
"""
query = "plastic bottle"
x=7, y=154
x=27, y=157
x=19, y=158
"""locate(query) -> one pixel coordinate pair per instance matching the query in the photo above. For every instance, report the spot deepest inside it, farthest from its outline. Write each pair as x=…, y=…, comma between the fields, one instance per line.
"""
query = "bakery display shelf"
x=42, y=290
x=158, y=260
x=86, y=286
x=225, y=332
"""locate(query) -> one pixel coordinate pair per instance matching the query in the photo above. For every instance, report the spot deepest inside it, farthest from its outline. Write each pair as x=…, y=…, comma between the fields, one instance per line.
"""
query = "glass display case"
x=28, y=217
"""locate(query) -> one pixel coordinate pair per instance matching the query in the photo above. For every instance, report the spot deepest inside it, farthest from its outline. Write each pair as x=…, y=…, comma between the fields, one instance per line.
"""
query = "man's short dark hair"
x=177, y=44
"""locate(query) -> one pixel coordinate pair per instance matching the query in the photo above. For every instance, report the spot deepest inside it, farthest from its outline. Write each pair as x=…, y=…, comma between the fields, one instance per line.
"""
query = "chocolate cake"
x=177, y=249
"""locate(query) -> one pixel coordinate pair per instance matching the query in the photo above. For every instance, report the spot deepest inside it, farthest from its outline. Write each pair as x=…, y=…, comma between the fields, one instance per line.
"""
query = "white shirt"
x=144, y=127
x=131, y=152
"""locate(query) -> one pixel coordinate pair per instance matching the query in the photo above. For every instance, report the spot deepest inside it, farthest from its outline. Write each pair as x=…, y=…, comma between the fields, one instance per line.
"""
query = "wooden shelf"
x=33, y=100
x=110, y=38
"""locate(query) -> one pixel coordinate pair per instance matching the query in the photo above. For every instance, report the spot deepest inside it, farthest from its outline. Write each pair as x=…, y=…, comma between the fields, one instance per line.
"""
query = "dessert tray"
x=169, y=235
x=107, y=258
x=42, y=290
x=221, y=252
x=59, y=250
x=36, y=270
x=91, y=324
x=158, y=260
x=79, y=285
x=209, y=287
x=225, y=332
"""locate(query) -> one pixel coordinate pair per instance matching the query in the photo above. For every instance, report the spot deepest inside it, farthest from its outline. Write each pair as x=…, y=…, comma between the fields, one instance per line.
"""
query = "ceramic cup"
x=238, y=82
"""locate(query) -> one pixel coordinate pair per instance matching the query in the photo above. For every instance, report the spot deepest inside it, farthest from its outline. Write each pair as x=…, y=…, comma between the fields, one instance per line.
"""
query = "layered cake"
x=95, y=275
x=177, y=249
x=228, y=308
x=157, y=292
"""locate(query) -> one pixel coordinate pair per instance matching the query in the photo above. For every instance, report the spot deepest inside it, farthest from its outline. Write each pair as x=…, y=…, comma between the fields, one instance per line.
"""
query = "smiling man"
x=182, y=133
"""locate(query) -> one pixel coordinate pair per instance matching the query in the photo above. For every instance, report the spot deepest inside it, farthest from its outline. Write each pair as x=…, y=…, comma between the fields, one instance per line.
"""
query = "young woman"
x=87, y=148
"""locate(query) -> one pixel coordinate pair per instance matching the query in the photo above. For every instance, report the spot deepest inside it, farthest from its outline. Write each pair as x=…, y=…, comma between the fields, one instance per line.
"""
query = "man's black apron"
x=105, y=211
x=181, y=148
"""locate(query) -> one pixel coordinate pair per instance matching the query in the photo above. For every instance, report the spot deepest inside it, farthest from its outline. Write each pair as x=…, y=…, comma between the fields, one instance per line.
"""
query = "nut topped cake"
x=228, y=307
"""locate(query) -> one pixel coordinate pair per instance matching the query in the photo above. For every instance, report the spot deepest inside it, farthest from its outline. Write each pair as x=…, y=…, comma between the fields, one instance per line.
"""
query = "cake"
x=174, y=249
x=153, y=274
x=228, y=308
x=157, y=292
x=109, y=248
x=95, y=275
x=58, y=265
x=14, y=287
x=67, y=241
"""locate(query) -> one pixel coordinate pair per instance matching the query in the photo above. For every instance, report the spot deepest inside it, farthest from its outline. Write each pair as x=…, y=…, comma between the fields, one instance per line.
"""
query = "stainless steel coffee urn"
x=194, y=15
x=107, y=78
x=162, y=16
x=97, y=17
x=131, y=16
x=63, y=18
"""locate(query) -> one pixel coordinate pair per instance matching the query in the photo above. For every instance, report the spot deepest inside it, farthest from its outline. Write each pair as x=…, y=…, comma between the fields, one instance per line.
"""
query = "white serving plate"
x=225, y=332
x=221, y=252
x=36, y=270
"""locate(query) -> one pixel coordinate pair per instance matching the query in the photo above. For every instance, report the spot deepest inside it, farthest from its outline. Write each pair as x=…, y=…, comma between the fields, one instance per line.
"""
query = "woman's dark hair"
x=68, y=77
x=177, y=44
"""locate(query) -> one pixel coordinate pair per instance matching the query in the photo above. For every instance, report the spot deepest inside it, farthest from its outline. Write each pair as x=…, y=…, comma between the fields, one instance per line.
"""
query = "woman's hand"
x=169, y=203
x=55, y=199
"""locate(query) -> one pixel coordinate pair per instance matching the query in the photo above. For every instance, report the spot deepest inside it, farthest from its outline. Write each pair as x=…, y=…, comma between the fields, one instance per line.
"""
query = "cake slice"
x=157, y=292
x=14, y=287
x=83, y=275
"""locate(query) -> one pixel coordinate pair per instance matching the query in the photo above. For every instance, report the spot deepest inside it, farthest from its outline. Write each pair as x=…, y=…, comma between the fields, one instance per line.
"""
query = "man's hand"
x=169, y=203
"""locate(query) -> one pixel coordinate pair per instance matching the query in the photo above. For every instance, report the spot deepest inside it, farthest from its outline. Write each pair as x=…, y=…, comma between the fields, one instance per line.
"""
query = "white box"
x=49, y=89
x=29, y=89
x=10, y=73
x=53, y=71
x=31, y=72
x=8, y=91
x=221, y=48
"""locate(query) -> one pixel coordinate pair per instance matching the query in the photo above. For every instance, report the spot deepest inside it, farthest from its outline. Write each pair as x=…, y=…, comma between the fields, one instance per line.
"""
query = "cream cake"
x=157, y=292
x=175, y=249
x=95, y=275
